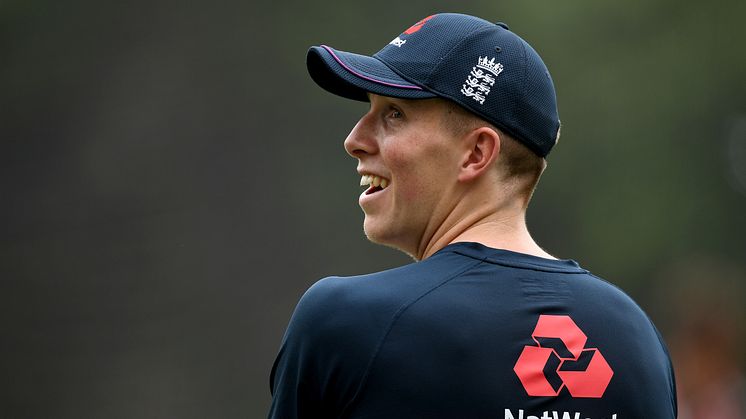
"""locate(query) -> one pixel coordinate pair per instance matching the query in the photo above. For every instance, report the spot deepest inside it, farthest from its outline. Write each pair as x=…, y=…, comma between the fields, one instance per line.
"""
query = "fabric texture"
x=469, y=333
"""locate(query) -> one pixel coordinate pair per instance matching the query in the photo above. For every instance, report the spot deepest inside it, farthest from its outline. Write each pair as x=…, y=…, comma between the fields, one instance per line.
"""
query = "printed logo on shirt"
x=561, y=360
x=520, y=414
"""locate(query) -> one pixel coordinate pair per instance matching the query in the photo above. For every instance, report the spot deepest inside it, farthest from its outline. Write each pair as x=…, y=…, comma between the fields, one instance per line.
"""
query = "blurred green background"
x=172, y=181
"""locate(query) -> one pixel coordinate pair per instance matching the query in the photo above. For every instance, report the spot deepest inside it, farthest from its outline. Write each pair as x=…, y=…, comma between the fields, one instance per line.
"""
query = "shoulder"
x=334, y=334
x=384, y=290
x=604, y=296
x=632, y=344
x=334, y=295
x=360, y=308
x=325, y=312
x=325, y=351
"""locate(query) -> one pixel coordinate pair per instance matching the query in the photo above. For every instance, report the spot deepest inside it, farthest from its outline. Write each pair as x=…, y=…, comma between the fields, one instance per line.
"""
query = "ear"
x=482, y=146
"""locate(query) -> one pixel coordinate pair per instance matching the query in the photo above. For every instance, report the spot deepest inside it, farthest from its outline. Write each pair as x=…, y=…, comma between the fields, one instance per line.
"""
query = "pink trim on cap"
x=362, y=76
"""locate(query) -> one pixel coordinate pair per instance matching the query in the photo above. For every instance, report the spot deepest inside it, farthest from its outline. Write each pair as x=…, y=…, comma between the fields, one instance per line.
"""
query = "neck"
x=498, y=235
x=500, y=226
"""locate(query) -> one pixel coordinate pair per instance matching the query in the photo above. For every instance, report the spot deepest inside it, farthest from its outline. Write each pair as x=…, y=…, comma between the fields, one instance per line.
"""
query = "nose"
x=361, y=140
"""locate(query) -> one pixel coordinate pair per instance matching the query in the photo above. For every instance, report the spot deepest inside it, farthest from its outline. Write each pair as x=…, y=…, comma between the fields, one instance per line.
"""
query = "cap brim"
x=353, y=76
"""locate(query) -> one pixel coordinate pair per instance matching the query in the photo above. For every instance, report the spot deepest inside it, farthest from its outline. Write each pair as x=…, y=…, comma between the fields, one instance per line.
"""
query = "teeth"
x=374, y=180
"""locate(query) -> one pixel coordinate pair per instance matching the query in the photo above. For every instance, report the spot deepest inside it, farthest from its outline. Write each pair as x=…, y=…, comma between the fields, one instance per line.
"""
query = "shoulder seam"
x=528, y=265
x=393, y=321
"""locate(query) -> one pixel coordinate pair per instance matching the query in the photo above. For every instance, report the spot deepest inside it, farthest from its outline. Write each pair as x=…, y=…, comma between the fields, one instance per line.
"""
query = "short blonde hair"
x=517, y=163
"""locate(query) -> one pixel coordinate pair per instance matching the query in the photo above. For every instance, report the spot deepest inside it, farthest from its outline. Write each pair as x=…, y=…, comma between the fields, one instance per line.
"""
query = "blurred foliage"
x=172, y=180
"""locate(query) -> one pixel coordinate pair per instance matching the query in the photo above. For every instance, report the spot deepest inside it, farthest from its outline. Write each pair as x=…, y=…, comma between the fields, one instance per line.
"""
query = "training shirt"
x=472, y=332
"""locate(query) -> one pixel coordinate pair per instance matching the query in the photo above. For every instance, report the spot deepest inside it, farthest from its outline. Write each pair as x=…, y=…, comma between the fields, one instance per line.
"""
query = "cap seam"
x=524, y=88
x=369, y=78
x=475, y=111
x=448, y=54
x=398, y=72
x=426, y=85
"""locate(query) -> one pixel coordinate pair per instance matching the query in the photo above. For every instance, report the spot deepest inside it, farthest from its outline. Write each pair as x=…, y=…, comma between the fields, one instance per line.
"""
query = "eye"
x=395, y=113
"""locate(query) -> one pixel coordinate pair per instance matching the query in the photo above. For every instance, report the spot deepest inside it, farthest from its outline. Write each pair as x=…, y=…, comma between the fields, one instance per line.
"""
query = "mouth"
x=374, y=183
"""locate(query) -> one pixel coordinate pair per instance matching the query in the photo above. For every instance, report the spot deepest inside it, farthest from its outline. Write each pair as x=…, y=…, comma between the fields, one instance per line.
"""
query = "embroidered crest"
x=481, y=79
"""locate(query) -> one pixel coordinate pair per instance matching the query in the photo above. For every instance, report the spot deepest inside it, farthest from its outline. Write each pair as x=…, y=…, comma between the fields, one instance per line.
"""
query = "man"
x=485, y=324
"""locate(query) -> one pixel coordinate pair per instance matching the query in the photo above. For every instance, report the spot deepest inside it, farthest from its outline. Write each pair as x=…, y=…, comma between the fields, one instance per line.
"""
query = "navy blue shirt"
x=472, y=332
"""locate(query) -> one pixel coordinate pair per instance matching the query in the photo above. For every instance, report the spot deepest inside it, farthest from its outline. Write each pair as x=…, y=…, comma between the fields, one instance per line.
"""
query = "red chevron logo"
x=561, y=360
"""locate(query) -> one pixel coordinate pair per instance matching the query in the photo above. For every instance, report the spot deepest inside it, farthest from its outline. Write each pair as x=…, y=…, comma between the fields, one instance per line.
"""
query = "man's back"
x=472, y=332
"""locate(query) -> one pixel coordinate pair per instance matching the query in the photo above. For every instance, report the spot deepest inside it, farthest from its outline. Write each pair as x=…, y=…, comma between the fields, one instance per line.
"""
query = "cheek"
x=418, y=180
x=420, y=167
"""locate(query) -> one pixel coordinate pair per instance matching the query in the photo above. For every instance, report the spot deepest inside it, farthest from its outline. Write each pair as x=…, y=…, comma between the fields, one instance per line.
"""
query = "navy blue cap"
x=480, y=65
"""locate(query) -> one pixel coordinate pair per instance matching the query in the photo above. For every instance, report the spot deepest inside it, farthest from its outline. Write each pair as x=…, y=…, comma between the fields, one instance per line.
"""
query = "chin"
x=373, y=234
x=385, y=238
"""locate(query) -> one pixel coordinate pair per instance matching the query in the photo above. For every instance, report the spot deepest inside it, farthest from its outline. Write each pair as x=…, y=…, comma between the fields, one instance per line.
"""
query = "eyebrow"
x=389, y=99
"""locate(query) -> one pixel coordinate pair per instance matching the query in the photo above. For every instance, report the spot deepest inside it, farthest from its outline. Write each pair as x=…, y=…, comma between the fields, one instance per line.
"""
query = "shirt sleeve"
x=323, y=356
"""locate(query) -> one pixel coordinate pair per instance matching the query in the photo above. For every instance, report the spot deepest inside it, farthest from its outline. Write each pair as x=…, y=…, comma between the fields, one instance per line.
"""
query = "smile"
x=376, y=183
